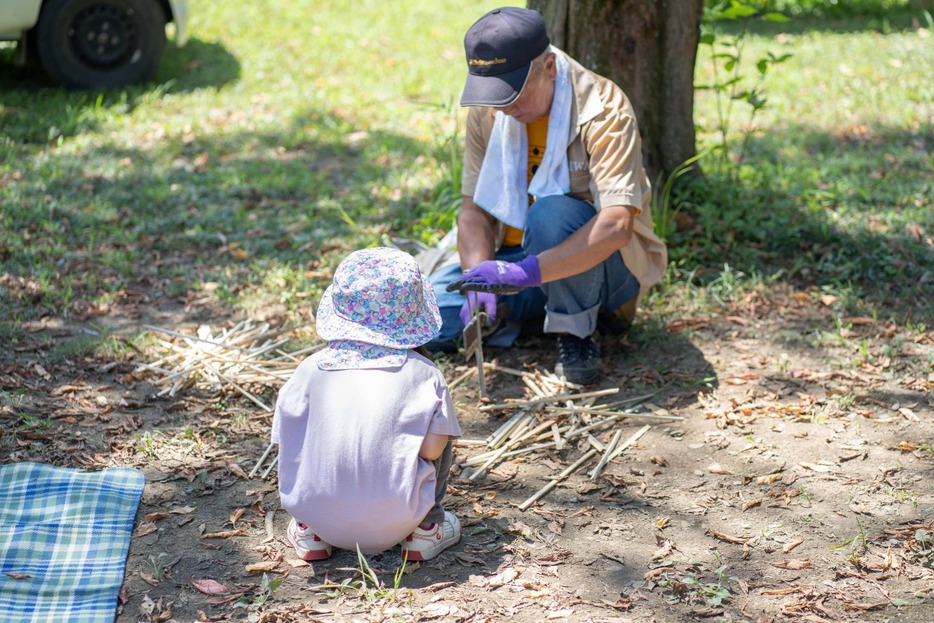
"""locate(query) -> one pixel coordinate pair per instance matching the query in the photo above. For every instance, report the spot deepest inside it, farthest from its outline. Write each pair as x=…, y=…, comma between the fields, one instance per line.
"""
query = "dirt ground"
x=794, y=481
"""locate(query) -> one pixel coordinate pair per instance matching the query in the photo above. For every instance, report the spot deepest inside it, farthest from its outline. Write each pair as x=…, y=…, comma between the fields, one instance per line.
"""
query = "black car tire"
x=101, y=43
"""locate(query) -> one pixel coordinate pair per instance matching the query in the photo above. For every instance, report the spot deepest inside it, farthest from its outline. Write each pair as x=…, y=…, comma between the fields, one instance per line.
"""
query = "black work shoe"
x=578, y=359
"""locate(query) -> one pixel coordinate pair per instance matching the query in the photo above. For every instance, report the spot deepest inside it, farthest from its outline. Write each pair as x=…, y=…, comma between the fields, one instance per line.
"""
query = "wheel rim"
x=103, y=35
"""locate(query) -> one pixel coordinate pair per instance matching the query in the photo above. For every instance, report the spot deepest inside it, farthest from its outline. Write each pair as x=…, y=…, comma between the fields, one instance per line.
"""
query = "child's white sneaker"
x=308, y=545
x=426, y=544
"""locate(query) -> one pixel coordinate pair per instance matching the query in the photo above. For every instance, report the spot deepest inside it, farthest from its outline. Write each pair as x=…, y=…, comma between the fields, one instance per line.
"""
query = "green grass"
x=835, y=188
x=286, y=134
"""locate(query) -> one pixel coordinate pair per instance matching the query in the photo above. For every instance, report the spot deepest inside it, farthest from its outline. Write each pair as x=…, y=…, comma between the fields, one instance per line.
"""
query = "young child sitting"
x=365, y=426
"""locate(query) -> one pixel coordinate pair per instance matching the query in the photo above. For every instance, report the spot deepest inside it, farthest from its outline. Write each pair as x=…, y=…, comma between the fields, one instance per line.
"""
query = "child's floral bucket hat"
x=378, y=304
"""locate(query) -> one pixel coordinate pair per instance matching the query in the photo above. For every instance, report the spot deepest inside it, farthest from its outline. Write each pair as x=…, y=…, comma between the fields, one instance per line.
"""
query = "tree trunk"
x=647, y=47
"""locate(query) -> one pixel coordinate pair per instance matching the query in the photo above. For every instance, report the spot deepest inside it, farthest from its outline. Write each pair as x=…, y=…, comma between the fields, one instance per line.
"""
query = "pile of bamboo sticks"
x=249, y=354
x=554, y=419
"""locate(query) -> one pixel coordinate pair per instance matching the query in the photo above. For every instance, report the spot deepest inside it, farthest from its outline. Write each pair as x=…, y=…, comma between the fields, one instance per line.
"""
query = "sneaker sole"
x=318, y=555
x=309, y=555
x=416, y=556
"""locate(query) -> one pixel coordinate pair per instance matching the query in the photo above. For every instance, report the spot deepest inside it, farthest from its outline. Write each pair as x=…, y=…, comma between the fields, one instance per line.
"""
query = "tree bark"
x=647, y=47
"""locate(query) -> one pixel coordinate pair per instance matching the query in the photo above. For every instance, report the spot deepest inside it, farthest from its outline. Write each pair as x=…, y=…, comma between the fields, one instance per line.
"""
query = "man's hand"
x=486, y=300
x=523, y=274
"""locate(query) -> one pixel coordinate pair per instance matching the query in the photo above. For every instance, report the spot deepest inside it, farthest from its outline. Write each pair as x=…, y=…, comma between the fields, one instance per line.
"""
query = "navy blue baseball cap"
x=500, y=48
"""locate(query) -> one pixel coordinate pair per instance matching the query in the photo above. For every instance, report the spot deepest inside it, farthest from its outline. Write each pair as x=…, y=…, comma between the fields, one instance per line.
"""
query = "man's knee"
x=552, y=219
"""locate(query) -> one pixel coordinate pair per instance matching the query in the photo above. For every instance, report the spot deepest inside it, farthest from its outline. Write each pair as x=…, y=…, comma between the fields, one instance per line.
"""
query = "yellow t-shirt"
x=538, y=135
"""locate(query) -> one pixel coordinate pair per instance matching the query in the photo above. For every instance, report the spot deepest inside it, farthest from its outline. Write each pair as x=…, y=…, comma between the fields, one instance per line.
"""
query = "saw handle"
x=463, y=287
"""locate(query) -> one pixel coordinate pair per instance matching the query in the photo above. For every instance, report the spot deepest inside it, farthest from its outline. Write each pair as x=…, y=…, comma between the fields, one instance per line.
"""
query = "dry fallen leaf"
x=727, y=537
x=795, y=564
x=235, y=515
x=752, y=503
x=147, y=606
x=505, y=577
x=619, y=604
x=815, y=467
x=715, y=468
x=790, y=546
x=262, y=567
x=153, y=517
x=767, y=480
x=224, y=535
x=666, y=548
x=149, y=578
x=164, y=611
x=210, y=587
x=560, y=614
x=146, y=527
x=865, y=607
x=436, y=611
x=236, y=470
x=257, y=508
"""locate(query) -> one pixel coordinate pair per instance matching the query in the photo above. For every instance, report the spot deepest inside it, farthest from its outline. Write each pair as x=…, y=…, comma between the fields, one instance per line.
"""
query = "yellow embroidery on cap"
x=480, y=61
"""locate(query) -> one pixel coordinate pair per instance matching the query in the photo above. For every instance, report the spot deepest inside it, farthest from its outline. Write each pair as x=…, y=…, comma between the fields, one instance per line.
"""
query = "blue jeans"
x=570, y=305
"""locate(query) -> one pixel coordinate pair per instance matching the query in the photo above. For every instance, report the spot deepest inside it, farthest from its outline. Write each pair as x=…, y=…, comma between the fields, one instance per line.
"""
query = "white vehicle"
x=93, y=43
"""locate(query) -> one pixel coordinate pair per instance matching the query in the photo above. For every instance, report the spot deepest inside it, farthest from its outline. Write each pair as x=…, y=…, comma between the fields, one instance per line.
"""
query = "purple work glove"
x=482, y=299
x=524, y=273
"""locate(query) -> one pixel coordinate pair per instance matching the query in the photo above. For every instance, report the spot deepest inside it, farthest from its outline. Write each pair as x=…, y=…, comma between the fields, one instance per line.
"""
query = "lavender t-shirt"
x=348, y=449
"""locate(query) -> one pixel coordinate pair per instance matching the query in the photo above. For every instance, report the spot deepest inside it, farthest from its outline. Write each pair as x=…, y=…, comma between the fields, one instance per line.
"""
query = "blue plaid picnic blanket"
x=64, y=536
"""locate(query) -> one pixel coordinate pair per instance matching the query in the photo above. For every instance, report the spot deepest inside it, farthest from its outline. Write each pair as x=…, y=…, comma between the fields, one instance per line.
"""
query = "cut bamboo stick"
x=633, y=439
x=262, y=459
x=551, y=485
x=606, y=454
x=547, y=399
x=567, y=436
x=460, y=379
x=607, y=412
x=508, y=446
x=500, y=433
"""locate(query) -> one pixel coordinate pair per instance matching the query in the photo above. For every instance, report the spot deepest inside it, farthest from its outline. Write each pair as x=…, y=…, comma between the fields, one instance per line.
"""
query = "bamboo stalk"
x=269, y=469
x=253, y=398
x=189, y=337
x=500, y=433
x=556, y=433
x=261, y=460
x=551, y=485
x=545, y=400
x=508, y=446
x=606, y=455
x=532, y=385
x=570, y=434
x=633, y=439
x=469, y=442
x=522, y=426
x=537, y=376
x=595, y=443
x=463, y=377
x=620, y=413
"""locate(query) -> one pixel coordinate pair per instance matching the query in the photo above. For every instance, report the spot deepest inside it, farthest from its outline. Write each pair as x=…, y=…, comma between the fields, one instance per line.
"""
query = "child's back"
x=365, y=425
x=349, y=442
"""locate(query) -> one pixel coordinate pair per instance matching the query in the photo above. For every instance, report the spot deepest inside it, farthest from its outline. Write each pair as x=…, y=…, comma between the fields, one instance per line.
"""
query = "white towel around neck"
x=502, y=189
